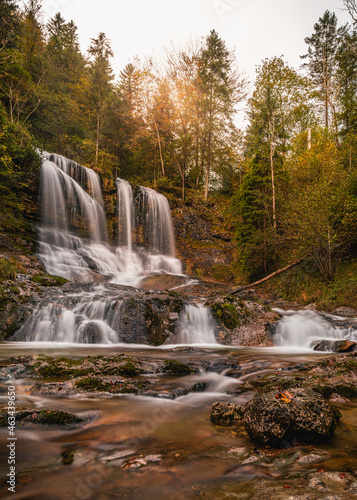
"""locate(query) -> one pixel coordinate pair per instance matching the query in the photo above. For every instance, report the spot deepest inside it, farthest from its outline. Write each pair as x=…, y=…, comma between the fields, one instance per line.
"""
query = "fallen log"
x=275, y=273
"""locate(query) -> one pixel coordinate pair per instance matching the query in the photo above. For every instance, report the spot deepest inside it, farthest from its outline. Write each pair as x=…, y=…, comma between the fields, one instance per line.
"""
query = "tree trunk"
x=272, y=150
x=208, y=168
x=160, y=149
x=275, y=273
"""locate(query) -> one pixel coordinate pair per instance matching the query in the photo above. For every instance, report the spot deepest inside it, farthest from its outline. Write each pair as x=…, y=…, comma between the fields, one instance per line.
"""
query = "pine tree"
x=221, y=89
x=100, y=78
x=322, y=48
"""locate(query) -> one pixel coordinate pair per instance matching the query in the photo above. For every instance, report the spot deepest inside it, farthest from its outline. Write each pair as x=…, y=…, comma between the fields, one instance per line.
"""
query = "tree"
x=100, y=78
x=346, y=60
x=60, y=121
x=320, y=216
x=278, y=108
x=322, y=48
x=9, y=27
x=222, y=88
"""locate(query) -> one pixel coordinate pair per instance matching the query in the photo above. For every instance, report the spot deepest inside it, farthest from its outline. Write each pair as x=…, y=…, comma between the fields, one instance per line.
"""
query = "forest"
x=287, y=182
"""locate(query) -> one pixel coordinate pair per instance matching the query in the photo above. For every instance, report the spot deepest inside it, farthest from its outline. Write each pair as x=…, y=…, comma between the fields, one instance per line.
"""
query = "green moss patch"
x=48, y=280
x=177, y=368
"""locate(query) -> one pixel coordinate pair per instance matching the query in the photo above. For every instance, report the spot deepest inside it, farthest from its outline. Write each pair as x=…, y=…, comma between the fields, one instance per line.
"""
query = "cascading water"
x=302, y=329
x=73, y=235
x=197, y=325
x=73, y=243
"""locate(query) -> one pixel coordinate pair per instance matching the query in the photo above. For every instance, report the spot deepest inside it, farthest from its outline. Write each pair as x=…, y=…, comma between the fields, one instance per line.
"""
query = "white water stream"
x=303, y=329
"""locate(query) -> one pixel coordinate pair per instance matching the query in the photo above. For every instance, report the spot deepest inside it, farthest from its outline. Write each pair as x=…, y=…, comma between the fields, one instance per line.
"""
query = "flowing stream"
x=160, y=443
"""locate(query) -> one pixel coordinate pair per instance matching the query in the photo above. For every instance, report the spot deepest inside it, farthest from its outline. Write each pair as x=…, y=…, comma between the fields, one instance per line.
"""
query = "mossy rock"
x=48, y=280
x=177, y=368
x=272, y=382
x=49, y=367
x=227, y=314
x=345, y=390
x=92, y=384
x=43, y=417
x=130, y=387
x=129, y=369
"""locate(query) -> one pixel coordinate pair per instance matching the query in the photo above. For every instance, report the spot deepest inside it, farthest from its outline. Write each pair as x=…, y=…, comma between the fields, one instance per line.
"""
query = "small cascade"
x=302, y=329
x=156, y=222
x=197, y=325
x=91, y=320
x=125, y=213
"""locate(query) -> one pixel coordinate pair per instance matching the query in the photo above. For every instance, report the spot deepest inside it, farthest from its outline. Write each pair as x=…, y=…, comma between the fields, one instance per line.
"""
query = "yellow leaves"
x=285, y=396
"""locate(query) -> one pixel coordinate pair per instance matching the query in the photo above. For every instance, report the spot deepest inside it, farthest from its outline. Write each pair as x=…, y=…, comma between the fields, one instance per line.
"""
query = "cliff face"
x=204, y=241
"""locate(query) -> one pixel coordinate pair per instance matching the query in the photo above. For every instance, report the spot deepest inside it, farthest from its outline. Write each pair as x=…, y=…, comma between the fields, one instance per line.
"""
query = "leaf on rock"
x=285, y=396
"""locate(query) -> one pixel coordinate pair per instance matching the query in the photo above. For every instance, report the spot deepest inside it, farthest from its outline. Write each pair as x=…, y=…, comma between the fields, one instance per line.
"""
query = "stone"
x=271, y=420
x=223, y=413
x=347, y=312
x=336, y=398
x=336, y=345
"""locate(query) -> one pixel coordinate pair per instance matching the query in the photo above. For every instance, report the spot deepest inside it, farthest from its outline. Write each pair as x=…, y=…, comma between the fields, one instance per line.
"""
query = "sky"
x=255, y=29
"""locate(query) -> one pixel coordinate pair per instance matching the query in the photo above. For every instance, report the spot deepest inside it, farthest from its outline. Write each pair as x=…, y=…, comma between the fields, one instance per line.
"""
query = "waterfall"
x=79, y=318
x=303, y=328
x=157, y=222
x=125, y=213
x=73, y=239
x=73, y=243
x=197, y=325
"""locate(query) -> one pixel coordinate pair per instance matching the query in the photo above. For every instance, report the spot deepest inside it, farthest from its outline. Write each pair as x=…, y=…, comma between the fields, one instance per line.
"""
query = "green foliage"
x=9, y=268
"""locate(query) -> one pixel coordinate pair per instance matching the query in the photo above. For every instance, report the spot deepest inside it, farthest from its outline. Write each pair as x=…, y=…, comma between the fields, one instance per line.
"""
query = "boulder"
x=336, y=345
x=280, y=418
x=223, y=413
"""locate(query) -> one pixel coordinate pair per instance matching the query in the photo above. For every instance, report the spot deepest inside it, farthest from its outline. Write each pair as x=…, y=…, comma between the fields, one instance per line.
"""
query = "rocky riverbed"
x=138, y=423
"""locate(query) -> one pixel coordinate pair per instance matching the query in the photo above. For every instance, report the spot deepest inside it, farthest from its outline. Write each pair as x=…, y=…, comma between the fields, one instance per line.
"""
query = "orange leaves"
x=285, y=396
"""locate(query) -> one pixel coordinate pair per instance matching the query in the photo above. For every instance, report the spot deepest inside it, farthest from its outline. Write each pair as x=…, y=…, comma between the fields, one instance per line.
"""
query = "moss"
x=271, y=383
x=92, y=384
x=60, y=367
x=48, y=280
x=132, y=387
x=9, y=268
x=227, y=314
x=126, y=370
x=57, y=417
x=177, y=368
x=67, y=457
x=47, y=417
x=343, y=389
x=222, y=273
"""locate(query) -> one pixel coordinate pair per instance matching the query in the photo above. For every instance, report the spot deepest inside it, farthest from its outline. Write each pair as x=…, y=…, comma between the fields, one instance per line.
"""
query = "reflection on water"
x=141, y=447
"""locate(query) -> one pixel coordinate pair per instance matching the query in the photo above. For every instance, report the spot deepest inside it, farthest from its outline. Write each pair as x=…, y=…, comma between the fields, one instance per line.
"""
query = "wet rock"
x=347, y=312
x=313, y=458
x=343, y=388
x=336, y=398
x=243, y=322
x=278, y=421
x=223, y=413
x=12, y=315
x=137, y=463
x=336, y=346
x=43, y=417
x=177, y=368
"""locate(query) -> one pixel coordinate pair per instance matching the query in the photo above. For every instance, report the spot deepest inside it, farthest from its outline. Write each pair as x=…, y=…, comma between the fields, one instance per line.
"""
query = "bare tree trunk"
x=309, y=138
x=208, y=168
x=279, y=271
x=160, y=149
x=272, y=150
x=97, y=139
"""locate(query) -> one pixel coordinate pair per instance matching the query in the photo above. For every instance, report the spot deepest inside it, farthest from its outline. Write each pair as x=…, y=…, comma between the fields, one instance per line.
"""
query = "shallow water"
x=183, y=452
